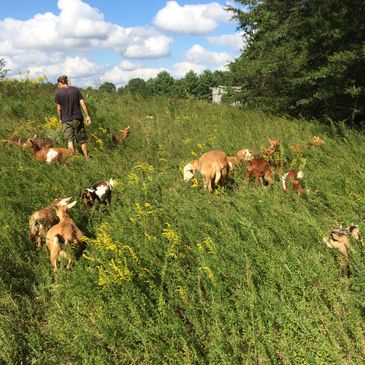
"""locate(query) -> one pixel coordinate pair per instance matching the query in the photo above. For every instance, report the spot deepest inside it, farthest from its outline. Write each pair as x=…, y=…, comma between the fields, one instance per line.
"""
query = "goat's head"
x=62, y=206
x=189, y=171
x=88, y=198
x=317, y=141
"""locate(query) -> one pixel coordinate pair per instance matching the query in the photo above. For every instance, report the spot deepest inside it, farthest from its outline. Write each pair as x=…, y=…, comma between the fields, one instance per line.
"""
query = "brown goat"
x=49, y=154
x=213, y=166
x=294, y=176
x=259, y=168
x=42, y=220
x=118, y=138
x=63, y=234
x=22, y=142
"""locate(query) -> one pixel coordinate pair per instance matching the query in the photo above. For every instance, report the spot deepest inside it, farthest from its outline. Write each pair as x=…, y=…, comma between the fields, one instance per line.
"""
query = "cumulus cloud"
x=79, y=27
x=190, y=19
x=121, y=74
x=200, y=55
x=235, y=41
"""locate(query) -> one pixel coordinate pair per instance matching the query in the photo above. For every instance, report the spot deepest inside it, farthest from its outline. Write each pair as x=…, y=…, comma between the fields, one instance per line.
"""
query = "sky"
x=96, y=41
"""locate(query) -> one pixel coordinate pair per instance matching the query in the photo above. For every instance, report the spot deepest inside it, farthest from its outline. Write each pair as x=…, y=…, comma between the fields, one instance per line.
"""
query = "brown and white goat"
x=42, y=220
x=65, y=233
x=339, y=238
x=118, y=138
x=100, y=192
x=57, y=155
x=294, y=176
x=260, y=169
x=213, y=166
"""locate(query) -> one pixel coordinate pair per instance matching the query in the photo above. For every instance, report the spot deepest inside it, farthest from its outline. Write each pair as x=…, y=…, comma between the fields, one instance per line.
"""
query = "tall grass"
x=171, y=274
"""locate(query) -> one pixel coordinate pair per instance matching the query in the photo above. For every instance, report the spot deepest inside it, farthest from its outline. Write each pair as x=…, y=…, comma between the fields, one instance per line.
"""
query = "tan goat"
x=65, y=233
x=42, y=220
x=213, y=166
x=294, y=176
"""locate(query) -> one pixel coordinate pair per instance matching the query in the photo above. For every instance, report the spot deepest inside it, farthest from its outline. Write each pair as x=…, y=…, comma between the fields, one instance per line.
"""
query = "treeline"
x=192, y=85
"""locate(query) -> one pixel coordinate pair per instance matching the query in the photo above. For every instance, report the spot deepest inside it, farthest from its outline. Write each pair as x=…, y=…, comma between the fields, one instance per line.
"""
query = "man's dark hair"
x=63, y=80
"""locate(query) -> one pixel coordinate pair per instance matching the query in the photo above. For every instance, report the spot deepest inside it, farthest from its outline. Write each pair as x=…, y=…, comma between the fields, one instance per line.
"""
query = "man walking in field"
x=68, y=99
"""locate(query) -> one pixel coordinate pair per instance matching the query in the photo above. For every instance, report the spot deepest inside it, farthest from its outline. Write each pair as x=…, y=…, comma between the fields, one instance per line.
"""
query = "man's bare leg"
x=84, y=150
x=71, y=146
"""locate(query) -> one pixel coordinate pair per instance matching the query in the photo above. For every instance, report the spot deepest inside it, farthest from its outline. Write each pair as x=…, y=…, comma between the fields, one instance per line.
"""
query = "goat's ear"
x=69, y=206
x=35, y=136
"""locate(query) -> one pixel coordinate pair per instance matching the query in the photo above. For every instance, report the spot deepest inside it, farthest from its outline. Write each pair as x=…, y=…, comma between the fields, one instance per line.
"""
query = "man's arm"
x=58, y=108
x=86, y=111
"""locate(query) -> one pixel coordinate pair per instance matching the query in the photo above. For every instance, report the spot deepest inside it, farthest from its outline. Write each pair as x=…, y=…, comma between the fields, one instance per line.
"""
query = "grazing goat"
x=117, y=138
x=213, y=166
x=340, y=238
x=42, y=220
x=15, y=141
x=63, y=234
x=294, y=176
x=259, y=168
x=316, y=141
x=49, y=154
x=100, y=192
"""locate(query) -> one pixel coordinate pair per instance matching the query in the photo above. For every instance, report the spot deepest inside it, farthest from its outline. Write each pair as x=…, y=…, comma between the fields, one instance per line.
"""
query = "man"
x=68, y=100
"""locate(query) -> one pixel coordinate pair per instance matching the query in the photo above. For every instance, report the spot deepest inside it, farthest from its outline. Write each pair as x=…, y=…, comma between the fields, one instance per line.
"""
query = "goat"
x=22, y=142
x=316, y=141
x=117, y=138
x=340, y=238
x=100, y=192
x=259, y=168
x=65, y=233
x=49, y=154
x=42, y=220
x=212, y=165
x=245, y=154
x=294, y=176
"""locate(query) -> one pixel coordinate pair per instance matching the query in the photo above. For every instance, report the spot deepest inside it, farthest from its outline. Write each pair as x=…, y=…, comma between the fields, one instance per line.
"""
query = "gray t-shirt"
x=69, y=99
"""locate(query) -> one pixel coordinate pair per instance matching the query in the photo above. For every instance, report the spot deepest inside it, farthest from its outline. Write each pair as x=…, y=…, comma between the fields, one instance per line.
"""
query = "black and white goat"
x=100, y=192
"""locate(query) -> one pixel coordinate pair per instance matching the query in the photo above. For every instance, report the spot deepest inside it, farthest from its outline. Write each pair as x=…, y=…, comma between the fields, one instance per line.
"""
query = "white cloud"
x=190, y=19
x=79, y=27
x=228, y=40
x=200, y=55
x=180, y=69
x=121, y=74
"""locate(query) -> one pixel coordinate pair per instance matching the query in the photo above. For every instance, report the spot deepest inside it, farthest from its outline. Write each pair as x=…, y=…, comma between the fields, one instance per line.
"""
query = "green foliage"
x=303, y=58
x=171, y=274
x=107, y=87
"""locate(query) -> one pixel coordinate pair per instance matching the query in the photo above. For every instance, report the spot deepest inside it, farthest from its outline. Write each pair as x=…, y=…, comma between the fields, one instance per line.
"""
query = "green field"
x=172, y=274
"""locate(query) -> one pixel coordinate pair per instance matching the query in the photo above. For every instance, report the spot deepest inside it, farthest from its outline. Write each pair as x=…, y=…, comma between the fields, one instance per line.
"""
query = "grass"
x=171, y=274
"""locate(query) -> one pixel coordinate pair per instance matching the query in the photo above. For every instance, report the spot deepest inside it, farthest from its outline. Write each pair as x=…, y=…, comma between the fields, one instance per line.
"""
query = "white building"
x=219, y=91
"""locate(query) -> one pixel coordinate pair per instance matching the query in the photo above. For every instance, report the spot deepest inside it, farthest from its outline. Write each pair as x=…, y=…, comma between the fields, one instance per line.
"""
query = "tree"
x=137, y=86
x=191, y=82
x=162, y=84
x=3, y=70
x=107, y=87
x=303, y=56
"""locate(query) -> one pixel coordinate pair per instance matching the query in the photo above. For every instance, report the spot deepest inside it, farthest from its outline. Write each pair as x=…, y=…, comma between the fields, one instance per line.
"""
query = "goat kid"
x=260, y=169
x=42, y=220
x=49, y=155
x=294, y=176
x=118, y=138
x=63, y=234
x=213, y=166
x=339, y=238
x=100, y=192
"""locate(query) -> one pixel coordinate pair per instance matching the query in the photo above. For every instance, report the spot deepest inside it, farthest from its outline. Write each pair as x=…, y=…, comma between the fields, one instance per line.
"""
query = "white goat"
x=213, y=166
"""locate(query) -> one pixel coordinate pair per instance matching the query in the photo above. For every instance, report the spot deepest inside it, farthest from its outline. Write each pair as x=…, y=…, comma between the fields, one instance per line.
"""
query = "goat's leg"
x=218, y=177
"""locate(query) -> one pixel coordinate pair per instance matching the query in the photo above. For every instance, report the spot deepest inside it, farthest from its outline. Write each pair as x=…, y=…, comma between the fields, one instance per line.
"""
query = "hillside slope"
x=171, y=274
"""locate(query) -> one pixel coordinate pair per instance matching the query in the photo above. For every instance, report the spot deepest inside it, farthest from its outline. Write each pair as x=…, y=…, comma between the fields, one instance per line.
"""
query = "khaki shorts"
x=74, y=130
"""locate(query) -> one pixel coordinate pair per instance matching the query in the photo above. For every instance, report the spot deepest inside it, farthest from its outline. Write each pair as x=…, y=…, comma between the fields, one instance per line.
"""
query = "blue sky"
x=93, y=41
